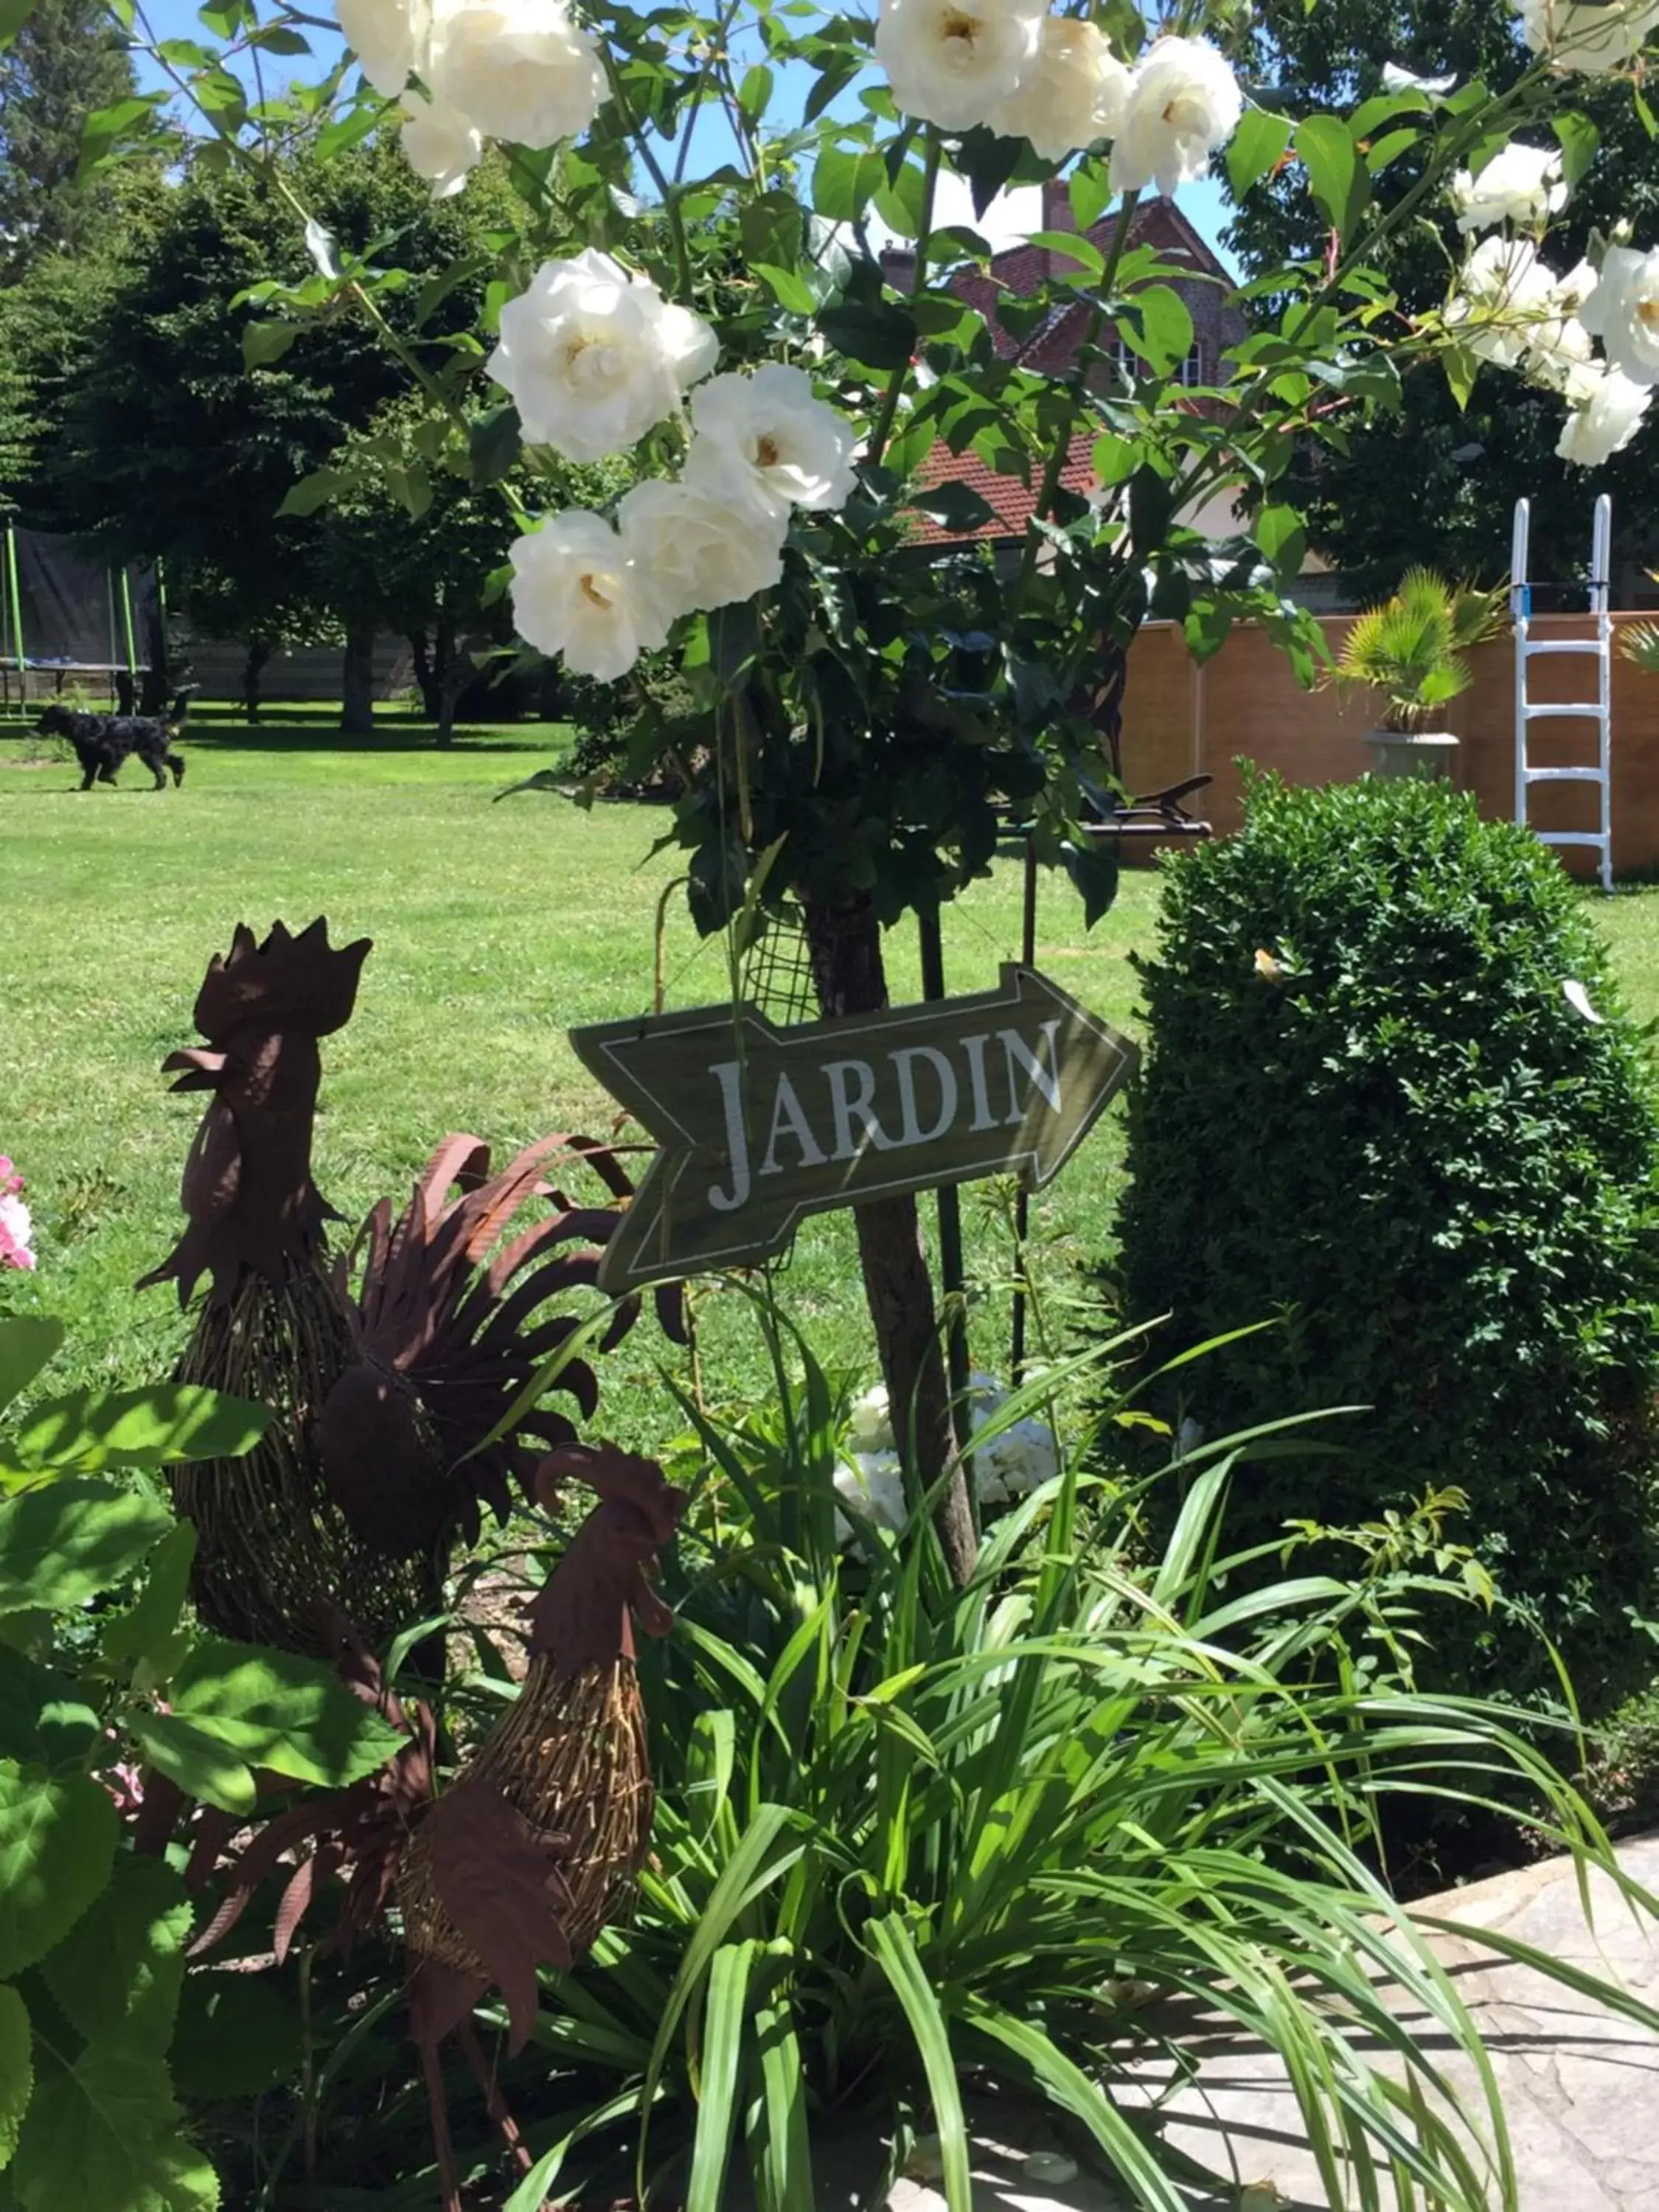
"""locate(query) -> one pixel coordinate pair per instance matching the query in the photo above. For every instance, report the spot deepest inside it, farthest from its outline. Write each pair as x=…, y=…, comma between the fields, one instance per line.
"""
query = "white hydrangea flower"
x=594, y=357
x=520, y=70
x=1520, y=184
x=1508, y=297
x=578, y=593
x=950, y=62
x=440, y=145
x=1184, y=106
x=767, y=442
x=1577, y=36
x=1607, y=411
x=1075, y=91
x=1623, y=312
x=699, y=551
x=389, y=39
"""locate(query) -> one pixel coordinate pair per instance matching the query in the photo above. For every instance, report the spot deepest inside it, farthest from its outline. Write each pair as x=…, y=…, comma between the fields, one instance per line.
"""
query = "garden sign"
x=760, y=1125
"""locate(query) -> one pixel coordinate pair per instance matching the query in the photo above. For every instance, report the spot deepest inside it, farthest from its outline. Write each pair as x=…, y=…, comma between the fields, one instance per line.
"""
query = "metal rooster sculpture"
x=390, y=1371
x=522, y=1860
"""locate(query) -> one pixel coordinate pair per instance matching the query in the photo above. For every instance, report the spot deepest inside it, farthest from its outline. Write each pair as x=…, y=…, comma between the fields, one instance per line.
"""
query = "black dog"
x=102, y=742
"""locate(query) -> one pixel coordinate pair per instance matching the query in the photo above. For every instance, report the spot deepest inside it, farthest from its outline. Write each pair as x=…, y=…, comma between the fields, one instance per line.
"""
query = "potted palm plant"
x=1411, y=650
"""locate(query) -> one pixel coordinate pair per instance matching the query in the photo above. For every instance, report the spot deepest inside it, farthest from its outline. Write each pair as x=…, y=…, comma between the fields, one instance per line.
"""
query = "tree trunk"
x=454, y=669
x=847, y=967
x=253, y=667
x=357, y=685
x=426, y=677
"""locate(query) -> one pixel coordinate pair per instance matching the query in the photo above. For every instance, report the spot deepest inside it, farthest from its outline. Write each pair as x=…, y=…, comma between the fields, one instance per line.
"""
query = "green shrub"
x=1371, y=1113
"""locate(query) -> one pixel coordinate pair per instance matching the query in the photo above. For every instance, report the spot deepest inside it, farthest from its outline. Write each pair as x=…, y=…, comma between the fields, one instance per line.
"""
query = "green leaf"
x=895, y=1953
x=1462, y=367
x=28, y=1342
x=878, y=334
x=769, y=230
x=93, y=1430
x=1335, y=176
x=1151, y=504
x=1159, y=325
x=266, y=341
x=1093, y=866
x=1091, y=193
x=16, y=2074
x=1579, y=140
x=44, y=1719
x=495, y=441
x=294, y=1716
x=57, y=1837
x=755, y=93
x=1283, y=538
x=197, y=1762
x=793, y=293
x=1259, y=144
x=845, y=180
x=119, y=1970
x=63, y=1545
x=105, y=128
x=101, y=2133
x=722, y=2058
x=311, y=492
x=143, y=1631
x=780, y=2149
x=954, y=506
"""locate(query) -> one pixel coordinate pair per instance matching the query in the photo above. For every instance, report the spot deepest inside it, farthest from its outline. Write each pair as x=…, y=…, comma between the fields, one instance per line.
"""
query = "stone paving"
x=1580, y=2085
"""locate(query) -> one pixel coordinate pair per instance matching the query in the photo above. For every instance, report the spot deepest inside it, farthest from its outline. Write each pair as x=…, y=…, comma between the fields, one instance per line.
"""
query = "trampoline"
x=64, y=615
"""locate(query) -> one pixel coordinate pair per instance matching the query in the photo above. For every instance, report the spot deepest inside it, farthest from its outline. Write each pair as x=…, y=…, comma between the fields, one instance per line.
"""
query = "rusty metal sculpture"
x=528, y=1853
x=391, y=1372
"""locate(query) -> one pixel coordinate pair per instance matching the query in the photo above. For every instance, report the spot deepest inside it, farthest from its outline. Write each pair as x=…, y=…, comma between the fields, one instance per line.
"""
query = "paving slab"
x=1580, y=2085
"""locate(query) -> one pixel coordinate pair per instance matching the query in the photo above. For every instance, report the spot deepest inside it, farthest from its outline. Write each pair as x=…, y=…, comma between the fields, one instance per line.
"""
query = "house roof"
x=1013, y=500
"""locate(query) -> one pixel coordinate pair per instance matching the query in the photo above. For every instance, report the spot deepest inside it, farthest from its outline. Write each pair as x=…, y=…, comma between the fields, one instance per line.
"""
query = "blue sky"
x=1205, y=205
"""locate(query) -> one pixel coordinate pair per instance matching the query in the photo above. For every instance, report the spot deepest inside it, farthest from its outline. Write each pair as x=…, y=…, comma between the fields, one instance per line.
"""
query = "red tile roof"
x=1013, y=500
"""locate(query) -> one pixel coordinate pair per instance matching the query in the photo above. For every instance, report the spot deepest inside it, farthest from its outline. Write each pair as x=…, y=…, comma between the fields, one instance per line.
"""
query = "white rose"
x=698, y=550
x=389, y=39
x=1623, y=312
x=1508, y=297
x=594, y=358
x=440, y=145
x=1184, y=106
x=1607, y=413
x=764, y=440
x=520, y=68
x=1522, y=184
x=872, y=1486
x=578, y=593
x=1075, y=91
x=870, y=1424
x=1576, y=36
x=950, y=62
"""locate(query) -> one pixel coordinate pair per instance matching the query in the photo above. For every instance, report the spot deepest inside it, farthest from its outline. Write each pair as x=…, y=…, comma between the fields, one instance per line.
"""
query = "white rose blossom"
x=1608, y=411
x=1508, y=297
x=579, y=592
x=1623, y=312
x=765, y=442
x=1560, y=345
x=699, y=551
x=594, y=358
x=519, y=70
x=950, y=62
x=1576, y=36
x=872, y=1487
x=440, y=145
x=1075, y=91
x=390, y=37
x=1520, y=184
x=1184, y=106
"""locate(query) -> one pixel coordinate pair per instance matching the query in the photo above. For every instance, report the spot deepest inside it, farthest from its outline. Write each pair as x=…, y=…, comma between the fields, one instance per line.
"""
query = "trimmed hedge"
x=1371, y=1113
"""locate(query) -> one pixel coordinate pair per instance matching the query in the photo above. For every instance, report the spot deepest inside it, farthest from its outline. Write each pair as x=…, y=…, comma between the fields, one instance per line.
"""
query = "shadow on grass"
x=292, y=736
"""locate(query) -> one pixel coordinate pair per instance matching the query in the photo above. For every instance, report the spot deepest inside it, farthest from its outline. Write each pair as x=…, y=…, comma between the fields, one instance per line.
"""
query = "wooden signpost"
x=760, y=1125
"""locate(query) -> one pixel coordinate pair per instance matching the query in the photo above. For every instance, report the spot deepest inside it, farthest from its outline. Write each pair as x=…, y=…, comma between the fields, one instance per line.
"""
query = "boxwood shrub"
x=1372, y=1115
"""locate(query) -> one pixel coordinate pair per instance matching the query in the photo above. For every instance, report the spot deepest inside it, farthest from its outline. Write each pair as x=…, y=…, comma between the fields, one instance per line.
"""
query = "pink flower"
x=16, y=1228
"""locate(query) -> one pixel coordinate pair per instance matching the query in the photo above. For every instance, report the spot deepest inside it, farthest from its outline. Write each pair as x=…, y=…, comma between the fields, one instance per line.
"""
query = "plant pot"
x=1424, y=755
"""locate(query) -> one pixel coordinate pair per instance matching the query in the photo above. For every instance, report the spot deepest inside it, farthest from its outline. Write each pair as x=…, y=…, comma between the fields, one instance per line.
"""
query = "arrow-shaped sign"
x=759, y=1125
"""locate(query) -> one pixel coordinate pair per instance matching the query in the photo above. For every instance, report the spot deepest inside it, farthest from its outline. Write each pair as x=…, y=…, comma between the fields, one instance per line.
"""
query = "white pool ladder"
x=1599, y=711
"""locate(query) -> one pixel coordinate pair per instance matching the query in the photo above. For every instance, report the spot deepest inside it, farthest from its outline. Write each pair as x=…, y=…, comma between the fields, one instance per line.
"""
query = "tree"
x=67, y=61
x=1436, y=473
x=184, y=438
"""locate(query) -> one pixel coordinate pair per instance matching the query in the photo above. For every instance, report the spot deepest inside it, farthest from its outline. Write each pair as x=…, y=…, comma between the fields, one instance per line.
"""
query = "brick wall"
x=1182, y=721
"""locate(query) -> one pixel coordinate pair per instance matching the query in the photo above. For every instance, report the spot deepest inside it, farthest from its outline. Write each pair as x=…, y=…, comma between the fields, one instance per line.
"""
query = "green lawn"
x=497, y=929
